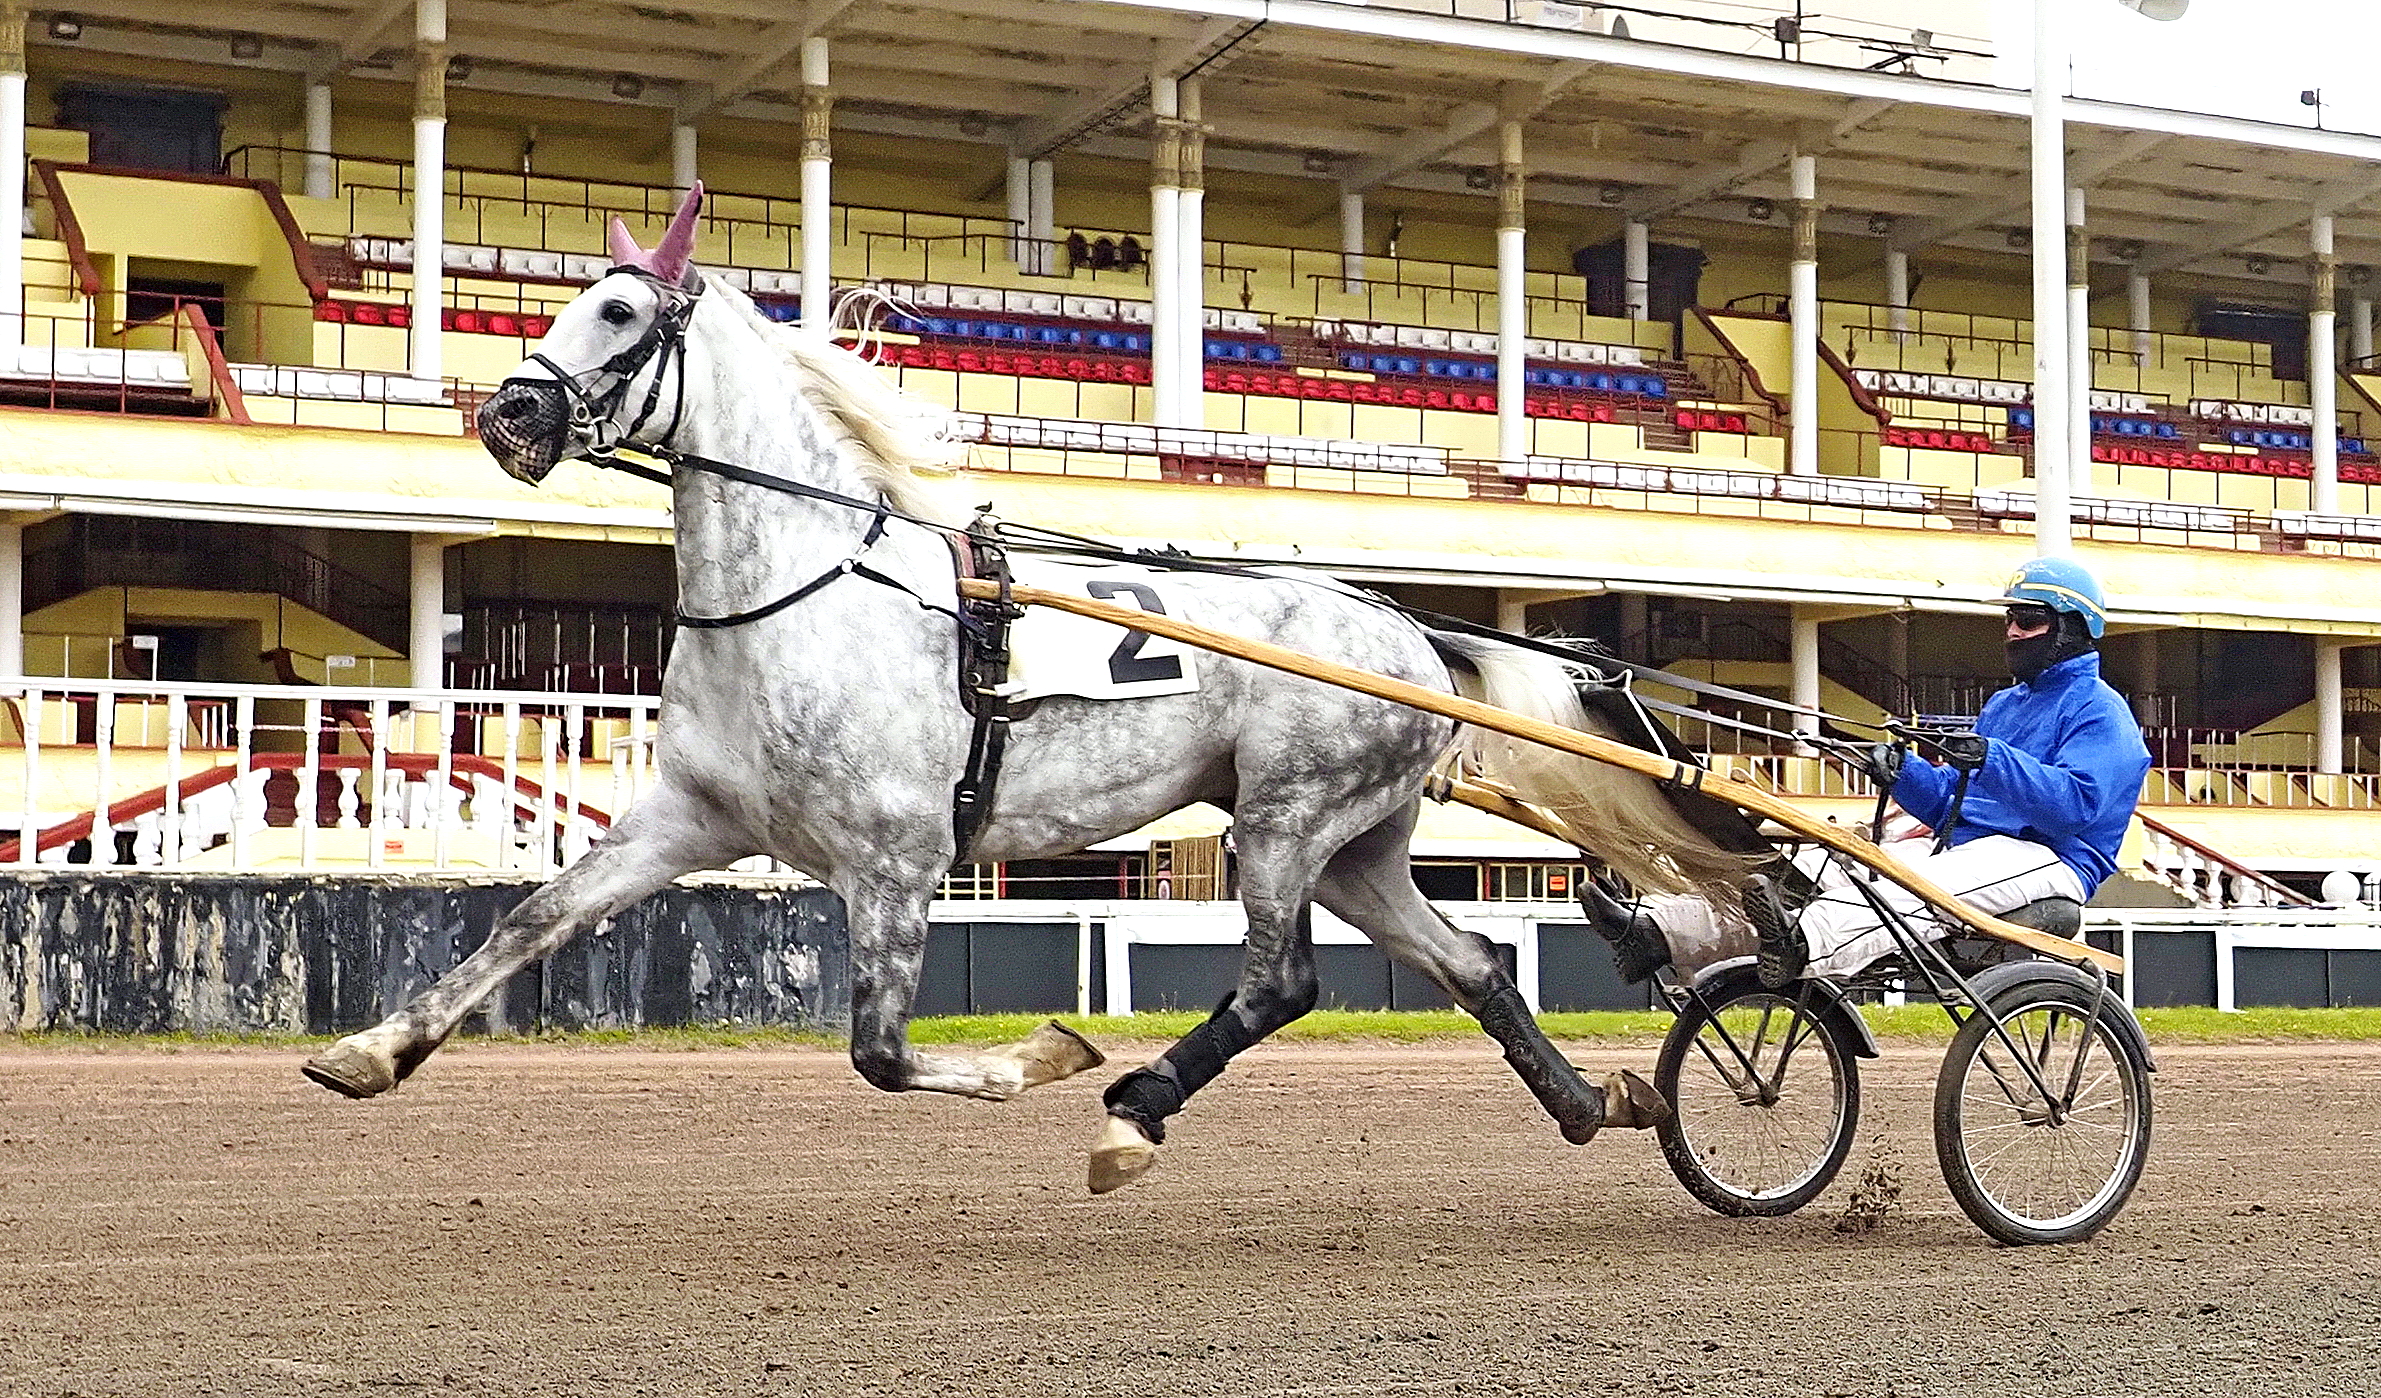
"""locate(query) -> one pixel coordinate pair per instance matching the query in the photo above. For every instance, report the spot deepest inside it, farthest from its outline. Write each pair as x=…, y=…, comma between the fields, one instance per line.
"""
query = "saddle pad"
x=1055, y=652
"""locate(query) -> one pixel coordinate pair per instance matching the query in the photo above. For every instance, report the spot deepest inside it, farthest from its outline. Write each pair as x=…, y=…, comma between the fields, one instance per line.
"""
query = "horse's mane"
x=904, y=447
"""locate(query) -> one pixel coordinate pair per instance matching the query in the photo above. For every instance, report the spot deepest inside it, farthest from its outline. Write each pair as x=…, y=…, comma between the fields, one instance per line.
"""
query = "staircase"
x=1302, y=348
x=96, y=551
x=2207, y=877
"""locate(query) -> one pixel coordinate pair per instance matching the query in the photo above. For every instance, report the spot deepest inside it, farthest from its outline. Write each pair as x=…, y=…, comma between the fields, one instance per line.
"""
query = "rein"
x=1606, y=669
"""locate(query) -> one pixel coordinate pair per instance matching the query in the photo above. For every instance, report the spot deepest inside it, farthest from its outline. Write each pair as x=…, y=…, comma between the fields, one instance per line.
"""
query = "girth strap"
x=983, y=682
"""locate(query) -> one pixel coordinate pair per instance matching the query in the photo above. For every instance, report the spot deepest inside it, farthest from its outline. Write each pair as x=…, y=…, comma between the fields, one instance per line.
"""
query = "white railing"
x=135, y=774
x=1123, y=924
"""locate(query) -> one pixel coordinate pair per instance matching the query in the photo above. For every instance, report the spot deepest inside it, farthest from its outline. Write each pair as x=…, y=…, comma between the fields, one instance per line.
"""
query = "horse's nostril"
x=517, y=406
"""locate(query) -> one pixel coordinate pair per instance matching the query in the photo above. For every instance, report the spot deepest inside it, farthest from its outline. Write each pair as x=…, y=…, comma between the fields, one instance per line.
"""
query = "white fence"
x=1120, y=925
x=270, y=777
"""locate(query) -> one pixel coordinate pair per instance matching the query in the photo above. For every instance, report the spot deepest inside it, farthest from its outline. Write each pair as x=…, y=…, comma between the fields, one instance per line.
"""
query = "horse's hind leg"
x=1277, y=985
x=1370, y=884
x=659, y=840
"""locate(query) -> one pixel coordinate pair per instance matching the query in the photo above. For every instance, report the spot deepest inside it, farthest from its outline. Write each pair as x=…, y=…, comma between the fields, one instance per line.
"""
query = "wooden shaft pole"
x=1739, y=794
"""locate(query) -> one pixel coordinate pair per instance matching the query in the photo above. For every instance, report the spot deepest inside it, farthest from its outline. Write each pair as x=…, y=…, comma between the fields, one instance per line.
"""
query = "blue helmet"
x=2063, y=585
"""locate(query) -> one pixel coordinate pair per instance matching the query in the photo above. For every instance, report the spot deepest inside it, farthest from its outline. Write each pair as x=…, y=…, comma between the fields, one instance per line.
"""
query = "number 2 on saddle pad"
x=1055, y=652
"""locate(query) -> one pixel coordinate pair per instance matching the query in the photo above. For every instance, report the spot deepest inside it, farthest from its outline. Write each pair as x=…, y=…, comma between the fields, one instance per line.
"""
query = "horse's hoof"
x=1632, y=1102
x=351, y=1071
x=1122, y=1154
x=1054, y=1051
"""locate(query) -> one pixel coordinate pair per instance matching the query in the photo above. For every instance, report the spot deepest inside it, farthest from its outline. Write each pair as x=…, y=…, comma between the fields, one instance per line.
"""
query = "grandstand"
x=1481, y=305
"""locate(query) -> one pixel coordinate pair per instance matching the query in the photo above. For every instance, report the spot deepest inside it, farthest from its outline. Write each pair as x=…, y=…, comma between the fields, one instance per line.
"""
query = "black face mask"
x=2065, y=640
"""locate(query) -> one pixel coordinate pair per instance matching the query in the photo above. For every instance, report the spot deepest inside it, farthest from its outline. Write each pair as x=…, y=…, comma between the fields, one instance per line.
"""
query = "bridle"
x=592, y=429
x=592, y=413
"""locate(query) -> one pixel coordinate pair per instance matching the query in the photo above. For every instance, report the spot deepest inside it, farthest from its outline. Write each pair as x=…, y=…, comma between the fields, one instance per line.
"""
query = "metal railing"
x=245, y=777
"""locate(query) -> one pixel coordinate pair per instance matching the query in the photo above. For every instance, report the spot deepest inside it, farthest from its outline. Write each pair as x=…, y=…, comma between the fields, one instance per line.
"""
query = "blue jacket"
x=2064, y=770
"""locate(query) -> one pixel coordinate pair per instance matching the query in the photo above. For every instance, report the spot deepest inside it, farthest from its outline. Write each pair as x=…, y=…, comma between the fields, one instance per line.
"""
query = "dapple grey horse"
x=829, y=734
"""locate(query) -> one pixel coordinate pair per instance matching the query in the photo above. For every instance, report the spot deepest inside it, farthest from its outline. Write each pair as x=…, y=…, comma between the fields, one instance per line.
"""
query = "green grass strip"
x=2272, y=1025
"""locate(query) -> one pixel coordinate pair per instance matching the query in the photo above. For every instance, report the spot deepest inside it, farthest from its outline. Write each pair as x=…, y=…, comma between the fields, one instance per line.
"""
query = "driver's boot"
x=1638, y=947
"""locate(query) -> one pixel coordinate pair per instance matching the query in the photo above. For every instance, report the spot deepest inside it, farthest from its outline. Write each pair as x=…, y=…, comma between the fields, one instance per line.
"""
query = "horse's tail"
x=1621, y=816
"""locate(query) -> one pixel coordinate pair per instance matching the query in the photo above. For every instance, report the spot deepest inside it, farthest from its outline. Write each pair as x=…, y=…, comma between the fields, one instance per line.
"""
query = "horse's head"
x=597, y=378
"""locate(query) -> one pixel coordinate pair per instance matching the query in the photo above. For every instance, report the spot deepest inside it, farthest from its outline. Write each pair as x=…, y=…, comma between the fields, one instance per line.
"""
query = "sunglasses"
x=2030, y=616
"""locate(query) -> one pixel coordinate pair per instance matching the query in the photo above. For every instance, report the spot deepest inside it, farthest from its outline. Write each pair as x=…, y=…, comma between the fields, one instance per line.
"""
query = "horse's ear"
x=624, y=249
x=676, y=248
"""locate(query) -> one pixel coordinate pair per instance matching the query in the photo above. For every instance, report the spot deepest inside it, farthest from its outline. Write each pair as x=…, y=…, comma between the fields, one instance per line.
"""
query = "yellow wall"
x=79, y=628
x=183, y=231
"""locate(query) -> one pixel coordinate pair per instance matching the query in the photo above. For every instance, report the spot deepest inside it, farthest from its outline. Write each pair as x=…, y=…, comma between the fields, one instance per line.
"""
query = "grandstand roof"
x=1372, y=96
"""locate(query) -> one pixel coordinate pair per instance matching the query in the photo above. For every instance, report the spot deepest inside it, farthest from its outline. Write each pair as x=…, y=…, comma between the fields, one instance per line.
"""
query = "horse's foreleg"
x=655, y=843
x=1371, y=885
x=1277, y=985
x=888, y=949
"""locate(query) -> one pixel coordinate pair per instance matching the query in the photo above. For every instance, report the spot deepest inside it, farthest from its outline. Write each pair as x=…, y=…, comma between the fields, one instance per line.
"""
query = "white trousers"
x=1993, y=874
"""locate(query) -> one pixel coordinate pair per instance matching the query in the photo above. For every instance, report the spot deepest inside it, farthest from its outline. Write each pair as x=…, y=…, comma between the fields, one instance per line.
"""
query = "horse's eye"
x=618, y=313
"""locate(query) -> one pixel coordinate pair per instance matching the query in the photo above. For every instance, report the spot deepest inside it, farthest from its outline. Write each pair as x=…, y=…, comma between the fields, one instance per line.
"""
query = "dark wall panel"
x=942, y=985
x=1354, y=977
x=2174, y=968
x=2356, y=978
x=1016, y=966
x=1183, y=977
x=1575, y=972
x=159, y=953
x=2280, y=976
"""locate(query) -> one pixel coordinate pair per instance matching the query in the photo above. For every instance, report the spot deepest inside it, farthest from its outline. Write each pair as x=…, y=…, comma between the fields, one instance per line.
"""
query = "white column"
x=2329, y=707
x=1636, y=256
x=2052, y=533
x=1351, y=240
x=1512, y=610
x=2137, y=312
x=1020, y=210
x=1041, y=219
x=427, y=614
x=1897, y=292
x=2323, y=370
x=429, y=188
x=12, y=175
x=1804, y=644
x=1165, y=250
x=818, y=207
x=2360, y=319
x=319, y=176
x=1191, y=207
x=2079, y=345
x=1512, y=302
x=685, y=149
x=12, y=599
x=1802, y=313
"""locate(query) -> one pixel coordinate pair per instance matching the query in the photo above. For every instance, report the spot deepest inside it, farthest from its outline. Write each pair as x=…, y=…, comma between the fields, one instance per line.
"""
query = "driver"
x=2058, y=763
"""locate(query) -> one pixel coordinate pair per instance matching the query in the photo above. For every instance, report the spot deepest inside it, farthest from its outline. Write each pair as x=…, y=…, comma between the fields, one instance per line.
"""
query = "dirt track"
x=1328, y=1220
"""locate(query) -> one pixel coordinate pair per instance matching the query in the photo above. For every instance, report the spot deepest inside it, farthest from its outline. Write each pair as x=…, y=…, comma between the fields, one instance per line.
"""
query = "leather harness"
x=981, y=552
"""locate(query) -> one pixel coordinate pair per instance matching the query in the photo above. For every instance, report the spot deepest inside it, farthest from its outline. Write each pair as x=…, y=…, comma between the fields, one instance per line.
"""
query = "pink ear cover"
x=669, y=258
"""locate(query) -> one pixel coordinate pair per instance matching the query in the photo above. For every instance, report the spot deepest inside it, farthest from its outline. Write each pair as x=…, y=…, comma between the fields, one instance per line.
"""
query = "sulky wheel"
x=2031, y=1168
x=1766, y=1090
